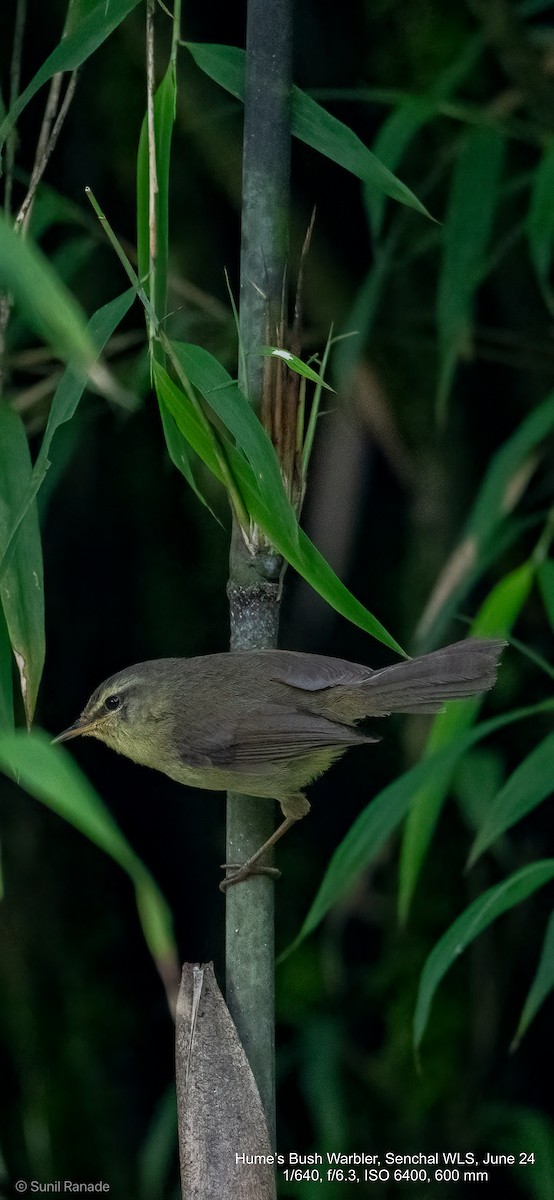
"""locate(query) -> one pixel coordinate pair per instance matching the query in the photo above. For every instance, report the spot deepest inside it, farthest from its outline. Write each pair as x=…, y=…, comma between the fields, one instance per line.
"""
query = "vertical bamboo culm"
x=254, y=573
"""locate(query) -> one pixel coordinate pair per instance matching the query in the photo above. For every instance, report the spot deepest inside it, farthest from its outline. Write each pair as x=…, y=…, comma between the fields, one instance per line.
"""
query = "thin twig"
x=219, y=451
x=175, y=36
x=296, y=333
x=15, y=76
x=152, y=166
x=45, y=149
x=52, y=106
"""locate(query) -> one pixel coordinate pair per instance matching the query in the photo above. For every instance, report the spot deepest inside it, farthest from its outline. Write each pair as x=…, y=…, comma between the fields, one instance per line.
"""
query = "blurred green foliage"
x=430, y=495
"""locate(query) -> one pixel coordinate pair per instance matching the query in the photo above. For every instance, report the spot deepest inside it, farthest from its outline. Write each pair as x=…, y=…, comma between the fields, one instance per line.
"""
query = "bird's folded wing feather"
x=315, y=672
x=268, y=734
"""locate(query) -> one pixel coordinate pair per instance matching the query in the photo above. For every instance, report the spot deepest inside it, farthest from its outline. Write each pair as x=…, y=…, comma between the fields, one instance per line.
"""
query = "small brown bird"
x=268, y=722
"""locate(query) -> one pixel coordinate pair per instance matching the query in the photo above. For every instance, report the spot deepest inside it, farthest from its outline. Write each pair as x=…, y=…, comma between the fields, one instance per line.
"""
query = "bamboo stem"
x=254, y=581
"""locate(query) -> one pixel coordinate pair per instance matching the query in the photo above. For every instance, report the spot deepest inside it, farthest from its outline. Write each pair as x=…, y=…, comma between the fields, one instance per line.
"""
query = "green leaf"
x=402, y=125
x=45, y=304
x=295, y=364
x=528, y=786
x=178, y=450
x=540, y=223
x=164, y=119
x=310, y=123
x=468, y=223
x=495, y=618
x=84, y=37
x=542, y=985
x=6, y=680
x=383, y=815
x=393, y=139
x=21, y=577
x=506, y=478
x=501, y=487
x=68, y=393
x=545, y=579
x=50, y=775
x=473, y=921
x=228, y=402
x=363, y=312
x=294, y=545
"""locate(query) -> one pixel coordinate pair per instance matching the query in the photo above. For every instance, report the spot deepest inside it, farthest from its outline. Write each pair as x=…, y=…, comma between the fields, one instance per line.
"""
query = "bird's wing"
x=268, y=734
x=315, y=672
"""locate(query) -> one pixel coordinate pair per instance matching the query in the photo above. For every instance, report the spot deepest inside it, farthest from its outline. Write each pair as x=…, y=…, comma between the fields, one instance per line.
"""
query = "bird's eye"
x=112, y=702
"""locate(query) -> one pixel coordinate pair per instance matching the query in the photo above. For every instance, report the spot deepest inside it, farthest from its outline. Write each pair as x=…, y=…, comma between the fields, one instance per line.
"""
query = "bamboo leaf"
x=83, y=38
x=44, y=302
x=295, y=364
x=507, y=473
x=469, y=217
x=505, y=480
x=383, y=815
x=21, y=577
x=68, y=393
x=6, y=682
x=476, y=918
x=50, y=775
x=164, y=119
x=494, y=619
x=310, y=123
x=224, y=396
x=540, y=223
x=411, y=115
x=295, y=546
x=542, y=985
x=178, y=450
x=545, y=578
x=530, y=784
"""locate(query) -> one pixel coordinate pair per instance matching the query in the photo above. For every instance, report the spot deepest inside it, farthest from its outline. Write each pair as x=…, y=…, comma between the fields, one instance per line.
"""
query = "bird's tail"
x=422, y=685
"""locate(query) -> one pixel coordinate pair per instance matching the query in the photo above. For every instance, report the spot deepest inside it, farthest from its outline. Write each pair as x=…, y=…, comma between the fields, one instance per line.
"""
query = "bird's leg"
x=294, y=808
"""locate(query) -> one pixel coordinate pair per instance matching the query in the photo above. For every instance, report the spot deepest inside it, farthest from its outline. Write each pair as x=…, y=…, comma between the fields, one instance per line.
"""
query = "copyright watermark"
x=61, y=1186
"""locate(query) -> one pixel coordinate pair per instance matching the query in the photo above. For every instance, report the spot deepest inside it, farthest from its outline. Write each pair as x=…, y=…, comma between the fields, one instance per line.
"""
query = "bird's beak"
x=80, y=726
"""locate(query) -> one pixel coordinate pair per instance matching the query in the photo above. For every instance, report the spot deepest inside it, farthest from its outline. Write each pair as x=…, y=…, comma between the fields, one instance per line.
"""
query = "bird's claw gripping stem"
x=244, y=871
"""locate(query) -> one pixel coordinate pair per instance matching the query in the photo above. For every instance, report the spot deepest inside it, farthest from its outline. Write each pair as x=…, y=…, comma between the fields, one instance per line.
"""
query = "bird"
x=268, y=722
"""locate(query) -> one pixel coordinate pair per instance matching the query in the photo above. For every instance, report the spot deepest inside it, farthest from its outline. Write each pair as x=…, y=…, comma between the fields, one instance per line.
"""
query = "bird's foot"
x=243, y=871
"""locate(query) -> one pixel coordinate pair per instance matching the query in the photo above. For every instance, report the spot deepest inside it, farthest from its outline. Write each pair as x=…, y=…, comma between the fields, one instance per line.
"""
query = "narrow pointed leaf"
x=66, y=398
x=226, y=399
x=542, y=984
x=44, y=302
x=6, y=681
x=540, y=224
x=294, y=545
x=402, y=125
x=295, y=364
x=179, y=452
x=21, y=576
x=50, y=775
x=468, y=223
x=380, y=819
x=495, y=618
x=83, y=38
x=164, y=119
x=310, y=123
x=545, y=578
x=505, y=480
x=530, y=784
x=476, y=918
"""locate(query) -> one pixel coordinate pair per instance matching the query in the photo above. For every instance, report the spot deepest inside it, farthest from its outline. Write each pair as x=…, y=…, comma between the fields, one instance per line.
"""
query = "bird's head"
x=124, y=712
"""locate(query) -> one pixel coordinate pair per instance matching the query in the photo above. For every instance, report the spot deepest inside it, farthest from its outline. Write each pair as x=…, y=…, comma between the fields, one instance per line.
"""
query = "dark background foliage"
x=136, y=568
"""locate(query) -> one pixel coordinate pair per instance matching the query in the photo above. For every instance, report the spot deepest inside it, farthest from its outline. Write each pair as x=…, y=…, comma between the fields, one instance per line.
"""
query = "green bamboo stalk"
x=254, y=586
